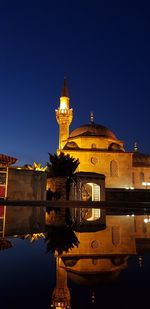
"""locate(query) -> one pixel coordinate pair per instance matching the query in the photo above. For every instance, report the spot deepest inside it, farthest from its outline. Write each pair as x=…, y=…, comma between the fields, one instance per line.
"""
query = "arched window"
x=93, y=145
x=113, y=168
x=133, y=178
x=141, y=177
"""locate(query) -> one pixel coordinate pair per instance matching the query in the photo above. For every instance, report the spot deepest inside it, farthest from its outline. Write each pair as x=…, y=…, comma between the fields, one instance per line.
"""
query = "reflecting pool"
x=58, y=258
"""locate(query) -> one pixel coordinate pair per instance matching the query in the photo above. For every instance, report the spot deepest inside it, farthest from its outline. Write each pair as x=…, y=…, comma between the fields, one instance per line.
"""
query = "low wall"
x=26, y=184
x=136, y=195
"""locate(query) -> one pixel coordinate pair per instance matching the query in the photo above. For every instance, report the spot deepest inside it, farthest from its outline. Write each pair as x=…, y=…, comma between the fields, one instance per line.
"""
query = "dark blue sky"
x=103, y=47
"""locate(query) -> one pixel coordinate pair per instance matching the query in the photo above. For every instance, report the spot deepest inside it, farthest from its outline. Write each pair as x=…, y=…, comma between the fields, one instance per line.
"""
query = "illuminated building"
x=99, y=150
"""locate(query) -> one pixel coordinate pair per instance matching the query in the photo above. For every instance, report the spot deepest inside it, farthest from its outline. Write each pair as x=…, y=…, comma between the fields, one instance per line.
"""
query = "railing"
x=76, y=204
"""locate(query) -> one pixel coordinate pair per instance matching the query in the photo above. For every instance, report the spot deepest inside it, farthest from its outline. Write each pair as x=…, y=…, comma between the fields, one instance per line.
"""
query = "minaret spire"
x=64, y=115
x=65, y=92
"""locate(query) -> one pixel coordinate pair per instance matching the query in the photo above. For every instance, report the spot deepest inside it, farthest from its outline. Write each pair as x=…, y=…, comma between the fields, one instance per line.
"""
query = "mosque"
x=100, y=151
x=102, y=158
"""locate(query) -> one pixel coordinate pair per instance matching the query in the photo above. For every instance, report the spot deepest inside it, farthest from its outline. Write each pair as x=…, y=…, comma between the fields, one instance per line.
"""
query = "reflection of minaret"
x=140, y=258
x=61, y=293
x=64, y=115
x=93, y=297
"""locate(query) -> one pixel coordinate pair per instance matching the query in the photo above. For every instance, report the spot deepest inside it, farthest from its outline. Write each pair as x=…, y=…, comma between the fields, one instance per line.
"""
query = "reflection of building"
x=99, y=258
x=99, y=150
x=88, y=187
x=22, y=220
x=5, y=161
x=102, y=255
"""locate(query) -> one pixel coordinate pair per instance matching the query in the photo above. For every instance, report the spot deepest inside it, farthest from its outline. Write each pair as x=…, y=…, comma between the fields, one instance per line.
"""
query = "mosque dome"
x=85, y=272
x=93, y=129
x=71, y=145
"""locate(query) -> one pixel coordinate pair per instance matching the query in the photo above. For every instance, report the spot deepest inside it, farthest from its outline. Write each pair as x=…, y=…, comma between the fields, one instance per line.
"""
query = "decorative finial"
x=91, y=117
x=65, y=92
x=140, y=261
x=135, y=147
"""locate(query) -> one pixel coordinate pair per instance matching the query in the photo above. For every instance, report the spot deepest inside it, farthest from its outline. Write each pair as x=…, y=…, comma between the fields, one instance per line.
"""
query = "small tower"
x=64, y=115
x=135, y=147
x=91, y=118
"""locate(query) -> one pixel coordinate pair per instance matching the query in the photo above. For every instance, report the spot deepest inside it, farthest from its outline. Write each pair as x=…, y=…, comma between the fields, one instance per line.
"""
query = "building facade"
x=20, y=183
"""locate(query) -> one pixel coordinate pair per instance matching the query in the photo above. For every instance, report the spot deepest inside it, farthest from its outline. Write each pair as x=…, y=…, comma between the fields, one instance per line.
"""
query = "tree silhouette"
x=61, y=165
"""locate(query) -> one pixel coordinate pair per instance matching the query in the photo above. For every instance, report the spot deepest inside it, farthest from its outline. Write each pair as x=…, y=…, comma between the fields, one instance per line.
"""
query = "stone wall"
x=26, y=184
x=57, y=184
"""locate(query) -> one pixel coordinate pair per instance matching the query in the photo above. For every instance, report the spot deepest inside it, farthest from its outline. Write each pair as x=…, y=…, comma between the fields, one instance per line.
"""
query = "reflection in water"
x=84, y=256
x=5, y=244
x=31, y=237
x=100, y=256
x=60, y=239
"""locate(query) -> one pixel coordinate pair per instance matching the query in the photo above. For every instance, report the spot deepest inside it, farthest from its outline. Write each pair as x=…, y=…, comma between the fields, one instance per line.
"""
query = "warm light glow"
x=144, y=183
x=36, y=167
x=129, y=188
x=64, y=103
x=147, y=219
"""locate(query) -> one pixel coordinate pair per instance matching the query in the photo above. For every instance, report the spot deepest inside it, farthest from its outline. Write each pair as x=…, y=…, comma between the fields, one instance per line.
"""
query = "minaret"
x=64, y=115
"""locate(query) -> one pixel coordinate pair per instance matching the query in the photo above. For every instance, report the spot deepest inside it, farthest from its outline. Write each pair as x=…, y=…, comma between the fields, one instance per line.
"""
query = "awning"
x=7, y=160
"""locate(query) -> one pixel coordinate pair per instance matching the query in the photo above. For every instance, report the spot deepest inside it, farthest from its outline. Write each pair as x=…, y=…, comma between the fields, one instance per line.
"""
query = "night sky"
x=103, y=47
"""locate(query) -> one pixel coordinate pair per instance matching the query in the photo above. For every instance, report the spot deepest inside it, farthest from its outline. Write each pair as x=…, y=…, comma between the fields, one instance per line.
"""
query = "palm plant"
x=61, y=165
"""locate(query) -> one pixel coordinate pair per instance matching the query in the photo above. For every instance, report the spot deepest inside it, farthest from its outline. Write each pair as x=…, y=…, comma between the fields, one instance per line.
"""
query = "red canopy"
x=6, y=160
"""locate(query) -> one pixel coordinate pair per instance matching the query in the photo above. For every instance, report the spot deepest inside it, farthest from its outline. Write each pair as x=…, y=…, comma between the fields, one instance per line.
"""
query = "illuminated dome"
x=93, y=129
x=71, y=145
x=84, y=272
